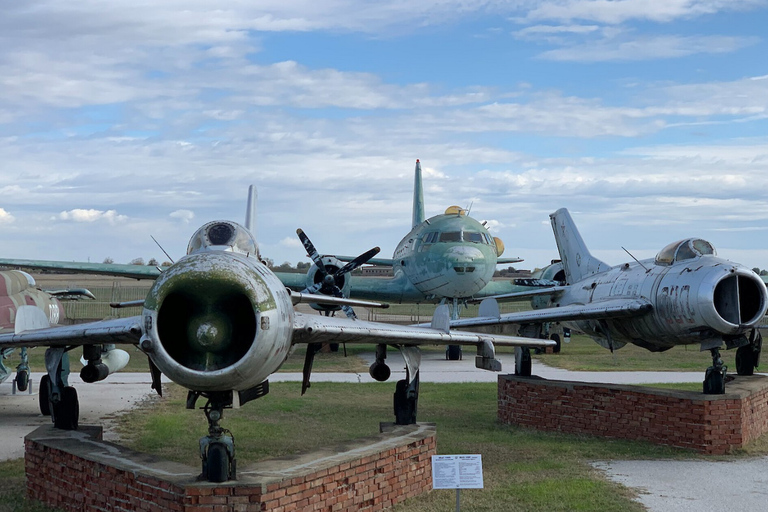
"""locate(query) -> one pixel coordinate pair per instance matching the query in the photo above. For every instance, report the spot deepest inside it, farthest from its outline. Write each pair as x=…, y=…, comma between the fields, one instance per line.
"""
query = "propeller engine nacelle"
x=217, y=321
x=327, y=280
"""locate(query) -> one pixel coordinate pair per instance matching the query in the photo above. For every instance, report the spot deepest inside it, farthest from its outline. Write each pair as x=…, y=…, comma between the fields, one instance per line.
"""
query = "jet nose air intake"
x=740, y=298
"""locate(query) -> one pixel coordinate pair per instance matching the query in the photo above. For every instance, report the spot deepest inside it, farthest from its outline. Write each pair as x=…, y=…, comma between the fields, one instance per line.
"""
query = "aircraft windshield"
x=222, y=236
x=458, y=236
x=684, y=250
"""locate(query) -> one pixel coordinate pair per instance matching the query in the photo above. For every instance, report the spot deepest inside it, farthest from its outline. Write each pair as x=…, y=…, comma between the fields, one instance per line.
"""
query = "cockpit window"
x=223, y=236
x=450, y=236
x=473, y=237
x=684, y=250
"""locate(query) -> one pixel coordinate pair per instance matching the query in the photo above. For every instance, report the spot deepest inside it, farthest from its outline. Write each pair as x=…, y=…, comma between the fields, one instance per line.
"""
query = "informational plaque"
x=457, y=472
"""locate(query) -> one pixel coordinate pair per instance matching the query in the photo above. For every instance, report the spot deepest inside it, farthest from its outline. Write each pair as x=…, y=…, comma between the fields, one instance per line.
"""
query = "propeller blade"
x=311, y=251
x=360, y=260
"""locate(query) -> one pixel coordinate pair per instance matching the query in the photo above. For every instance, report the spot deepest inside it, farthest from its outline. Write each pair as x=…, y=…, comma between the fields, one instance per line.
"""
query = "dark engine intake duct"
x=738, y=299
x=209, y=329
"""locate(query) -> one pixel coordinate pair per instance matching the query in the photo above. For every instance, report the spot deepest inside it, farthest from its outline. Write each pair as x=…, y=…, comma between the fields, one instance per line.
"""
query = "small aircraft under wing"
x=218, y=322
x=686, y=295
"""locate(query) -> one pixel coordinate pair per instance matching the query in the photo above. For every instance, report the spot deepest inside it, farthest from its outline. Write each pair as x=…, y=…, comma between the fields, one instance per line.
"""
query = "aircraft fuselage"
x=692, y=301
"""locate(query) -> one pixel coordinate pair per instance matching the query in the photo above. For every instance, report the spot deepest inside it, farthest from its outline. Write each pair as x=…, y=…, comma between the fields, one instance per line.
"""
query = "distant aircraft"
x=218, y=322
x=686, y=295
x=447, y=258
x=19, y=293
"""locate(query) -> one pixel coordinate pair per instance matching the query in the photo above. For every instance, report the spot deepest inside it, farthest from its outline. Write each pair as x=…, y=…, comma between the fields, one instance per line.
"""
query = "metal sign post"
x=457, y=472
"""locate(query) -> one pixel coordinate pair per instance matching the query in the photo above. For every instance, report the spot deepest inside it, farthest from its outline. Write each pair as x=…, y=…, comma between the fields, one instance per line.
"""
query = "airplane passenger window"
x=452, y=236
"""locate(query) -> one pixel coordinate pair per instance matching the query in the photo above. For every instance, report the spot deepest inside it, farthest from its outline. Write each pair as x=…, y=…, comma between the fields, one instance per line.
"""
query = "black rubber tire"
x=218, y=462
x=44, y=395
x=745, y=360
x=522, y=362
x=66, y=413
x=714, y=382
x=22, y=381
x=453, y=352
x=405, y=408
x=556, y=338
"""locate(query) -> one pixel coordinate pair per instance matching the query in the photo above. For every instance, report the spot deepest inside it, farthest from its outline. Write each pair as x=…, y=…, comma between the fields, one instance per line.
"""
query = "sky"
x=121, y=121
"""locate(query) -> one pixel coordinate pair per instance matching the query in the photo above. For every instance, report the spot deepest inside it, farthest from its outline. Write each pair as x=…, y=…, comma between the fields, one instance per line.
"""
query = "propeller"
x=330, y=284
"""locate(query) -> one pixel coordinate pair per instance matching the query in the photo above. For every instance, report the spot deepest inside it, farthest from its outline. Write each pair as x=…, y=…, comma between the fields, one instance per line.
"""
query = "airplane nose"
x=464, y=260
x=740, y=298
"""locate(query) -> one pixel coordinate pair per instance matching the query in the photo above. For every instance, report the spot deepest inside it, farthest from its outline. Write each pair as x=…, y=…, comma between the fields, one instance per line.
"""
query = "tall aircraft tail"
x=577, y=260
x=418, y=197
x=250, y=210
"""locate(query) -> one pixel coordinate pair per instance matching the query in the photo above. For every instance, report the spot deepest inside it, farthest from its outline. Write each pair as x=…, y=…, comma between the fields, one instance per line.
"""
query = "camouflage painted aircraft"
x=686, y=295
x=18, y=295
x=218, y=322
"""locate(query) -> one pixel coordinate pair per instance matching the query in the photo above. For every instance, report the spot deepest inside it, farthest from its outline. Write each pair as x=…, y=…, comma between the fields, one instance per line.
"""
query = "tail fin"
x=577, y=261
x=250, y=210
x=418, y=197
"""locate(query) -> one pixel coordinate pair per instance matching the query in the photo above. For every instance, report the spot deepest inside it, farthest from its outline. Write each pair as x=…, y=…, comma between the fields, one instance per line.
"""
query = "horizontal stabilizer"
x=490, y=308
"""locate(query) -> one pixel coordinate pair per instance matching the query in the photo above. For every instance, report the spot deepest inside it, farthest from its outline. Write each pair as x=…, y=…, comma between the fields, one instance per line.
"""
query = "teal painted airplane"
x=446, y=258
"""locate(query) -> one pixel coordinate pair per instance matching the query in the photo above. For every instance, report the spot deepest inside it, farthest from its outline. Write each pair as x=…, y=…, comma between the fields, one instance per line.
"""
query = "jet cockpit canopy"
x=221, y=235
x=684, y=250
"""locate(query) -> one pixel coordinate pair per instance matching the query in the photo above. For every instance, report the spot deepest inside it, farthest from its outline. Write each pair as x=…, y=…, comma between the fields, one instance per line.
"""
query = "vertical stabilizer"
x=577, y=261
x=418, y=197
x=250, y=210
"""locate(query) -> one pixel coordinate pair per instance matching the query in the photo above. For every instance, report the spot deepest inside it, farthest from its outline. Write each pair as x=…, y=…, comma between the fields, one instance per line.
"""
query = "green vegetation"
x=583, y=354
x=12, y=489
x=523, y=470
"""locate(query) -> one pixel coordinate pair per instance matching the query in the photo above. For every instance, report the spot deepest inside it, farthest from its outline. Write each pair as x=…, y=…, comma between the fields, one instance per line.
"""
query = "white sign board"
x=457, y=472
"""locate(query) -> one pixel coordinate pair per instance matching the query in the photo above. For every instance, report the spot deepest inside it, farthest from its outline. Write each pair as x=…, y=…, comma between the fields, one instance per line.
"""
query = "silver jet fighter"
x=218, y=322
x=686, y=295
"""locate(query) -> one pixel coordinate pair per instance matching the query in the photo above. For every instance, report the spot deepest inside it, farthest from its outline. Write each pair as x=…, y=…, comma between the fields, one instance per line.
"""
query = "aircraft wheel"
x=66, y=413
x=217, y=463
x=556, y=338
x=453, y=352
x=22, y=380
x=746, y=360
x=44, y=396
x=714, y=382
x=522, y=361
x=405, y=408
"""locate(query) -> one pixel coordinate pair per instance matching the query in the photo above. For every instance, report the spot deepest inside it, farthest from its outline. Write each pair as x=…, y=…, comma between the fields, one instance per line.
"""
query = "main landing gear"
x=217, y=449
x=57, y=398
x=748, y=356
x=406, y=397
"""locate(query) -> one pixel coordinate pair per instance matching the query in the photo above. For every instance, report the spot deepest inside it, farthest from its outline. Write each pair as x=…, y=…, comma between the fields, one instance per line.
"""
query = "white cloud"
x=291, y=242
x=183, y=215
x=91, y=215
x=5, y=217
x=646, y=48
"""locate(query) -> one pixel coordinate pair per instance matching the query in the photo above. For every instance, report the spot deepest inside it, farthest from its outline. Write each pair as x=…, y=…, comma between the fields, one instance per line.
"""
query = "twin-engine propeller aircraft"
x=686, y=295
x=19, y=295
x=447, y=258
x=218, y=322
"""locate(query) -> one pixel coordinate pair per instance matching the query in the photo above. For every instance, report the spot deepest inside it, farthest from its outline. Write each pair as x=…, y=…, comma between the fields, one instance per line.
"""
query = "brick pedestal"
x=77, y=471
x=713, y=424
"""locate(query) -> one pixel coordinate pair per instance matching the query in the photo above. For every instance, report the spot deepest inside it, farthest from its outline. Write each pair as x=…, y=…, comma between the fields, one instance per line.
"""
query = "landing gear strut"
x=523, y=361
x=406, y=398
x=217, y=449
x=748, y=356
x=714, y=378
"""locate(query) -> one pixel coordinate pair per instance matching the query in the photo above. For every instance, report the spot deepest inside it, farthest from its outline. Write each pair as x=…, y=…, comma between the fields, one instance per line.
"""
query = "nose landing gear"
x=714, y=378
x=217, y=449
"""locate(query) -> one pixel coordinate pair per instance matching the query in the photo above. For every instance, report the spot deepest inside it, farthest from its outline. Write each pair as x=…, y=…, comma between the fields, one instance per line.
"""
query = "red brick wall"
x=714, y=424
x=66, y=477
